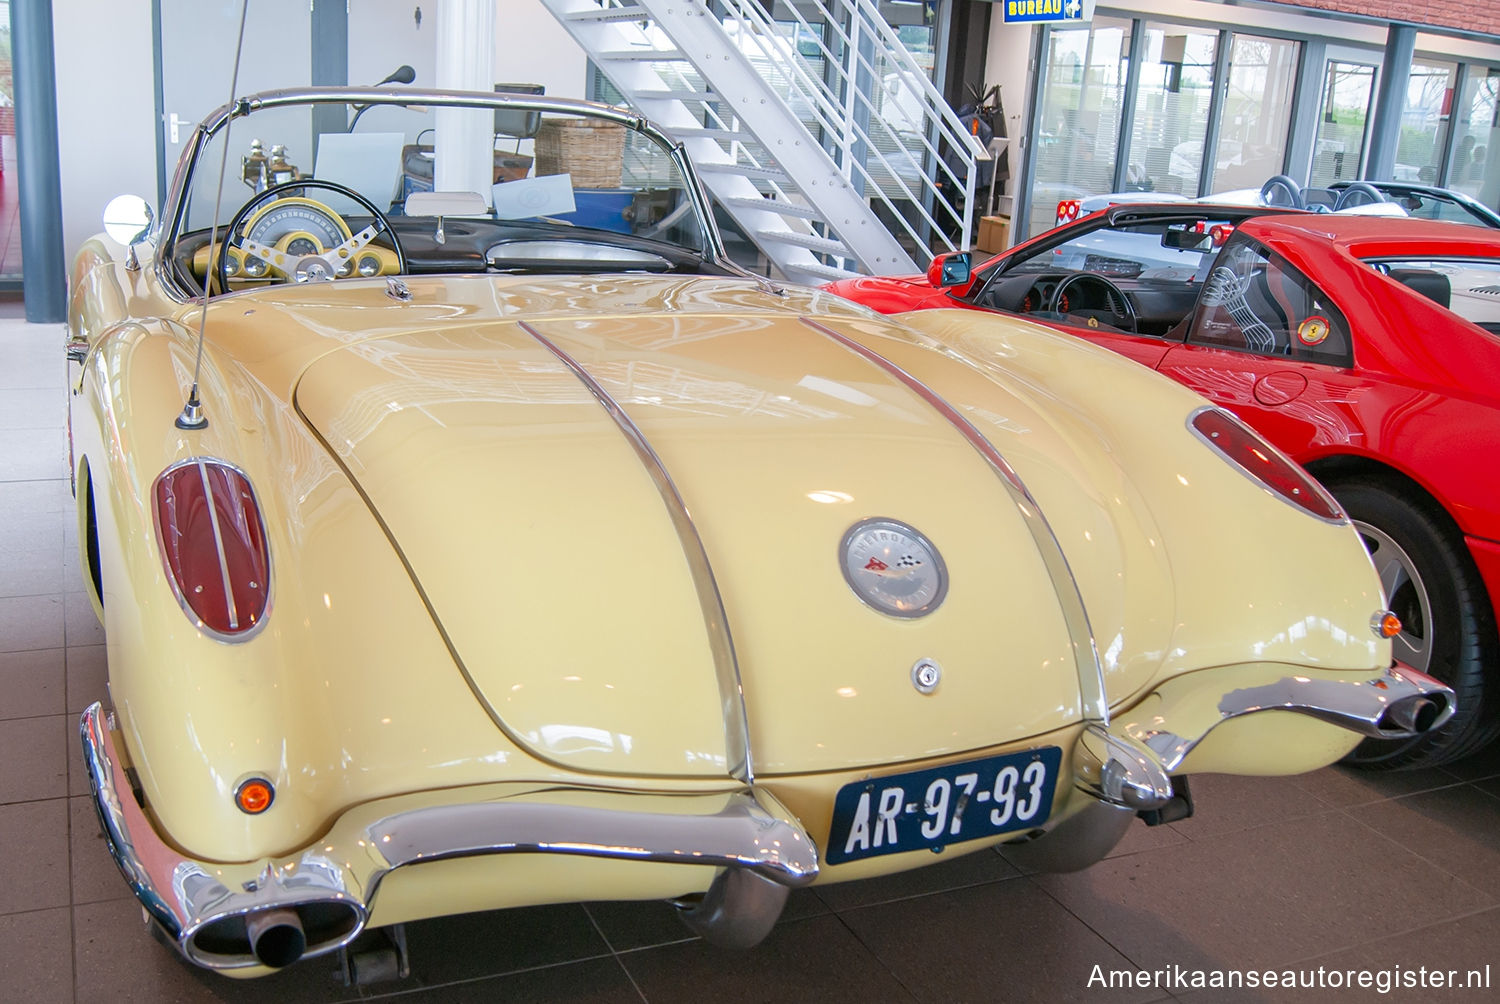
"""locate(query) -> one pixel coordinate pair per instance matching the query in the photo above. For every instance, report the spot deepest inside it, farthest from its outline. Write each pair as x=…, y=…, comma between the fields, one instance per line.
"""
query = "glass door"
x=1343, y=120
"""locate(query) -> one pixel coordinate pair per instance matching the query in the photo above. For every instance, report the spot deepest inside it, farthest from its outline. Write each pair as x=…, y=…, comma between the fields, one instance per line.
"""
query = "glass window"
x=1257, y=113
x=1477, y=109
x=1083, y=88
x=1465, y=286
x=1171, y=110
x=1338, y=151
x=1424, y=122
x=1253, y=301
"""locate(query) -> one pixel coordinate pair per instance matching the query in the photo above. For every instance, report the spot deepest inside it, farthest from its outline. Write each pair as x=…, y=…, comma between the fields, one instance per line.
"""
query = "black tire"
x=1448, y=624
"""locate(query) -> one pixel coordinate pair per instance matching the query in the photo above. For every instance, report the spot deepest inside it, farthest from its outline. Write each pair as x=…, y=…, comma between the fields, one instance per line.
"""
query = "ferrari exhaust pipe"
x=276, y=937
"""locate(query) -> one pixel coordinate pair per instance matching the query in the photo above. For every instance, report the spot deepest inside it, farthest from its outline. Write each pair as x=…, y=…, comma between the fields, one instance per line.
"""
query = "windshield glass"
x=442, y=188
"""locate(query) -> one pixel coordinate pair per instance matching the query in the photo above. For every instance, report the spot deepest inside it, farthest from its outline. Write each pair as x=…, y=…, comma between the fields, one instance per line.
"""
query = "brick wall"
x=1480, y=16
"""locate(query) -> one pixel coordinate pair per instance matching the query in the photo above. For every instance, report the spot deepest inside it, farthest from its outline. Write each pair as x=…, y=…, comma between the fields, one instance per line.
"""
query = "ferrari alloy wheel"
x=1447, y=628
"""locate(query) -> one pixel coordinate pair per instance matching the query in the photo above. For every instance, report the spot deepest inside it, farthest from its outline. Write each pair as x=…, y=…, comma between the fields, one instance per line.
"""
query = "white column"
x=465, y=142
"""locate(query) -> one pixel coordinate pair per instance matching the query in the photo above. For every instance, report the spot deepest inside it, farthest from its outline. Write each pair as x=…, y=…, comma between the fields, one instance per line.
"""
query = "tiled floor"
x=1338, y=870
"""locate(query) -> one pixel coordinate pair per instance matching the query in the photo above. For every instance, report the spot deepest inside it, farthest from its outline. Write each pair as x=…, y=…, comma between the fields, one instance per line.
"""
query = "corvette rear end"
x=488, y=590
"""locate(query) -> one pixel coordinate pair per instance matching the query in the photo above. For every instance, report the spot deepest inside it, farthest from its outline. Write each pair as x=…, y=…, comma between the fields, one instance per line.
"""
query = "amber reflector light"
x=1390, y=625
x=1262, y=461
x=255, y=796
x=214, y=544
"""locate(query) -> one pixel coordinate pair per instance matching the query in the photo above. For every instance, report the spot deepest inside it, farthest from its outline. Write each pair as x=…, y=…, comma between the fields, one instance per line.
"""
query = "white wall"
x=105, y=109
x=1005, y=64
x=532, y=48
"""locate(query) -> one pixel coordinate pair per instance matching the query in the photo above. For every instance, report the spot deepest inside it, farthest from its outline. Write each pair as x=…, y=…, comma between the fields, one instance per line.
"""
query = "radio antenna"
x=192, y=416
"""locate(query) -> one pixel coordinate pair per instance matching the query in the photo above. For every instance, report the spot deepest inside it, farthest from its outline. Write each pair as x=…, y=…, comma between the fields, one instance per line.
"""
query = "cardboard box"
x=994, y=234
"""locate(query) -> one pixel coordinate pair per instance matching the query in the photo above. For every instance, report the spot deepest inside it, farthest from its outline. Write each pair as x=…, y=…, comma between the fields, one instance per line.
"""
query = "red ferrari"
x=1366, y=348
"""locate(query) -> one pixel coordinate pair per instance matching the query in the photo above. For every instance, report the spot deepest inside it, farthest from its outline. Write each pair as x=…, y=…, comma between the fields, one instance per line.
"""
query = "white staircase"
x=800, y=128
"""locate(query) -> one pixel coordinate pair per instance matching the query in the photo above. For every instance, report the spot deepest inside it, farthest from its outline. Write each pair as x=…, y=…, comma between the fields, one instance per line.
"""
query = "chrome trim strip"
x=715, y=618
x=213, y=519
x=1091, y=686
x=1363, y=707
x=748, y=830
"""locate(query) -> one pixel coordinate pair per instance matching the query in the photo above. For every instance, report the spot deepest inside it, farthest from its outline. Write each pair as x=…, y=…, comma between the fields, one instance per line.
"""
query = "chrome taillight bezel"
x=233, y=634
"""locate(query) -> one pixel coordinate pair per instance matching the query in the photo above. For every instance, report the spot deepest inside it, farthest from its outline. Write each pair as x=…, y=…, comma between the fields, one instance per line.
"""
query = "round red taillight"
x=254, y=796
x=213, y=545
x=1243, y=447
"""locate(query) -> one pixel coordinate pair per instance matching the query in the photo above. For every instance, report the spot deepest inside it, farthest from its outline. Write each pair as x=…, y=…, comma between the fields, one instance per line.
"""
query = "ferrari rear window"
x=1469, y=287
x=1254, y=301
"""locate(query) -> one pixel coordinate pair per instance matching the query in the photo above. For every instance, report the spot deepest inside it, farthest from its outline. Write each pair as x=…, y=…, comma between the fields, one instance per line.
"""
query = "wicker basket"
x=588, y=149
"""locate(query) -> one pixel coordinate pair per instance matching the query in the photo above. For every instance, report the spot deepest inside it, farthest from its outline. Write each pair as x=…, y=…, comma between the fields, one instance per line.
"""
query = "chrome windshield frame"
x=173, y=217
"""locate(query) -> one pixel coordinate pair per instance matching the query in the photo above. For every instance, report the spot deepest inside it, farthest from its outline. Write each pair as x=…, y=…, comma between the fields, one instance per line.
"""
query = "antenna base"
x=192, y=416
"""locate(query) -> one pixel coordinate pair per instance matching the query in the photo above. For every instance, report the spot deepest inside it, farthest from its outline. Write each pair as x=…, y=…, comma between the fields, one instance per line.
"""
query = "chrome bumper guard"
x=1131, y=767
x=752, y=837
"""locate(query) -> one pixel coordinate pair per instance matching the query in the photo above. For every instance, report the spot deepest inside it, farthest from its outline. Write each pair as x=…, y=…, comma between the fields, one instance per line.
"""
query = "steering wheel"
x=1282, y=191
x=319, y=266
x=1358, y=193
x=1115, y=305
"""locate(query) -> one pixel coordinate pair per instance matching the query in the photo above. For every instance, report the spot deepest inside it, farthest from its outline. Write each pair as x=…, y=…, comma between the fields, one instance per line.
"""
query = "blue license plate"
x=929, y=809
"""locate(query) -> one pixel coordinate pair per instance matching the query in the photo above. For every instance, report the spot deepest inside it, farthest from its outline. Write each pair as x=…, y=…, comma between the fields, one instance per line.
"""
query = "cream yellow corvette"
x=470, y=549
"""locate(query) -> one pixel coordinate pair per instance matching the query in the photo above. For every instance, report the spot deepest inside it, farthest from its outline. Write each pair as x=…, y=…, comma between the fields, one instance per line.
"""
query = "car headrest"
x=1433, y=285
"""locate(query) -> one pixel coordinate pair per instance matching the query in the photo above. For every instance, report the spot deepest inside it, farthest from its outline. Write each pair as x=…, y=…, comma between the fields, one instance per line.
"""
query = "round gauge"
x=311, y=225
x=368, y=265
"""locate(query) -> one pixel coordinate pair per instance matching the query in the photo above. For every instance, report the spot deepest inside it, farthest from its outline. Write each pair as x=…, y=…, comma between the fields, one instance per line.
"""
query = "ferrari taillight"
x=213, y=544
x=1244, y=448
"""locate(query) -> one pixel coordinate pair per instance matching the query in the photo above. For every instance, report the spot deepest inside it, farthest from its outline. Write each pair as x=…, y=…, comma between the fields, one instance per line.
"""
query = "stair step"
x=753, y=173
x=822, y=245
x=701, y=132
x=822, y=271
x=674, y=94
x=641, y=55
x=778, y=206
x=609, y=14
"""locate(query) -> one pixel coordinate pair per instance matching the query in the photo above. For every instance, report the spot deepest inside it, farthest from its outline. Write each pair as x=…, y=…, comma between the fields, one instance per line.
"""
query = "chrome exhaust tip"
x=738, y=911
x=276, y=937
x=1415, y=715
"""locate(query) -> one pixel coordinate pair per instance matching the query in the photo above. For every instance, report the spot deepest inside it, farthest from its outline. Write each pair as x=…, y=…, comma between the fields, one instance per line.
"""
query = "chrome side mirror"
x=127, y=219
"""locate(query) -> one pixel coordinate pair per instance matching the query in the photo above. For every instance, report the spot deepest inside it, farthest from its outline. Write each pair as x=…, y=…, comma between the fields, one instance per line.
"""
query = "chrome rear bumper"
x=204, y=907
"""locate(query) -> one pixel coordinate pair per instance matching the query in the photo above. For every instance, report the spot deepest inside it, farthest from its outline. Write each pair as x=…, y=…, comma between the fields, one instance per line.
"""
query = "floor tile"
x=30, y=622
x=1490, y=786
x=1006, y=940
x=116, y=959
x=25, y=455
x=960, y=872
x=81, y=623
x=1455, y=948
x=31, y=683
x=34, y=758
x=1260, y=896
x=1225, y=803
x=1450, y=828
x=24, y=498
x=95, y=876
x=27, y=408
x=31, y=573
x=593, y=981
x=36, y=957
x=34, y=865
x=473, y=945
x=88, y=675
x=1344, y=786
x=32, y=532
x=817, y=959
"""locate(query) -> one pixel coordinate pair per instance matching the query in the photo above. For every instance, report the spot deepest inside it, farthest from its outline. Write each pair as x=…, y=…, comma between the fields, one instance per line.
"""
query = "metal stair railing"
x=853, y=107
